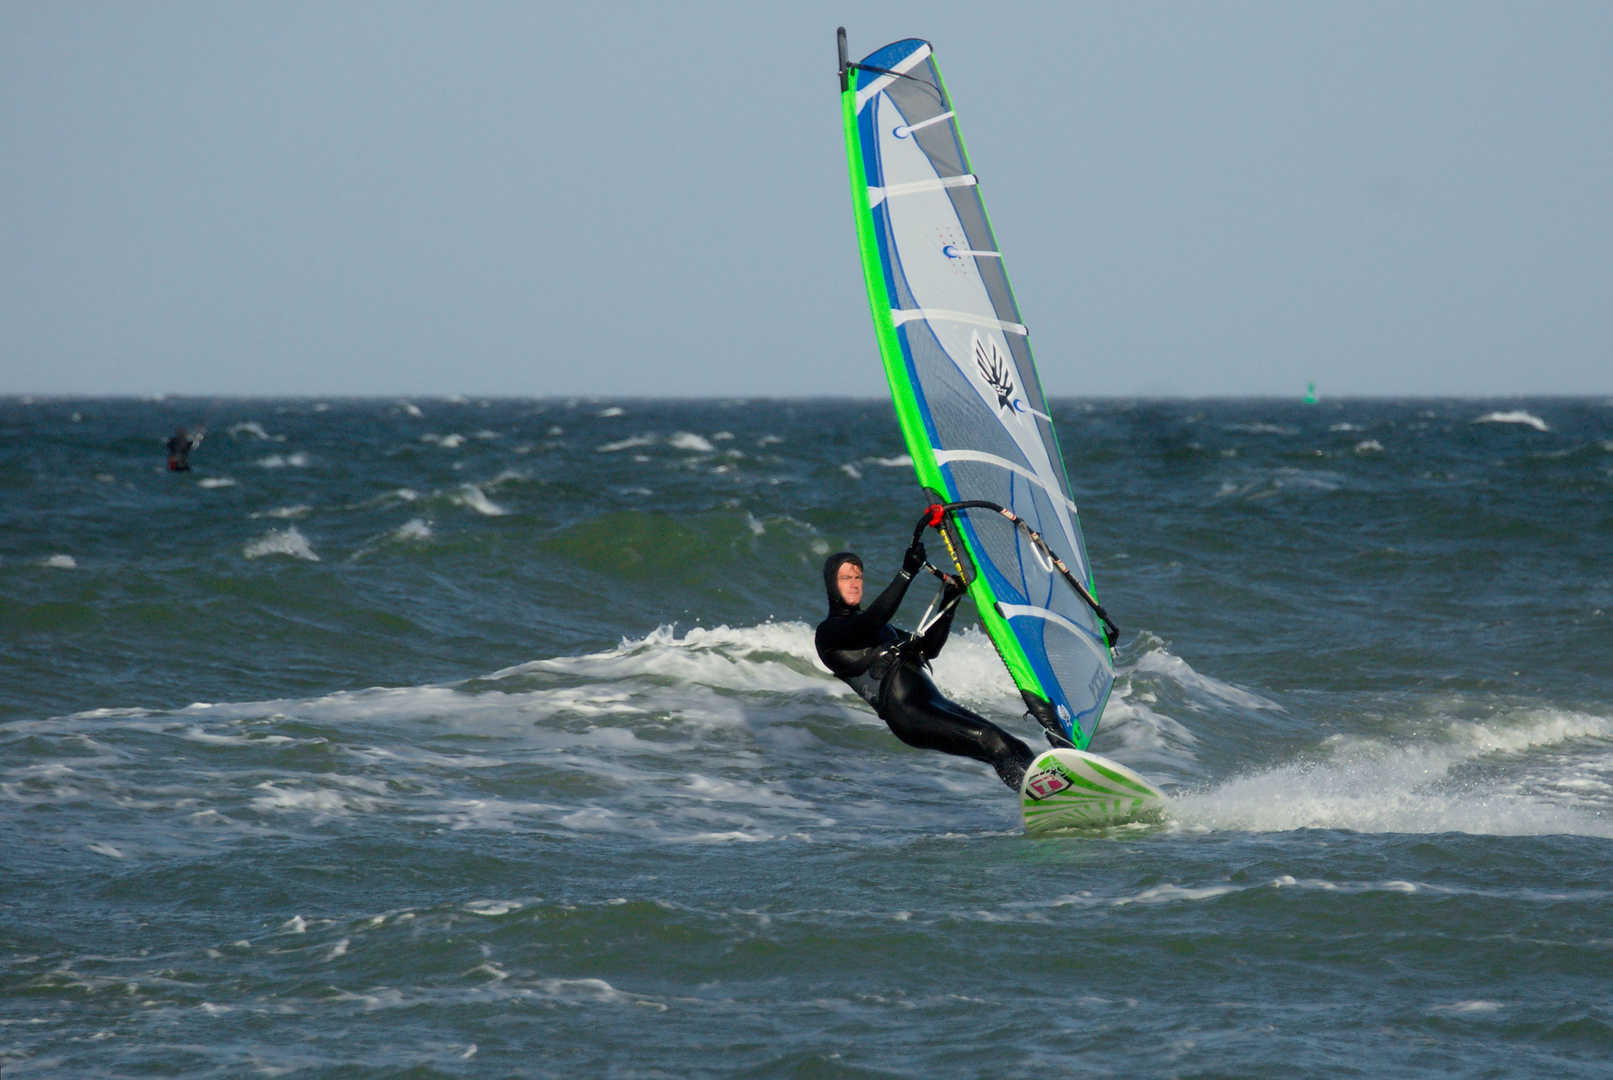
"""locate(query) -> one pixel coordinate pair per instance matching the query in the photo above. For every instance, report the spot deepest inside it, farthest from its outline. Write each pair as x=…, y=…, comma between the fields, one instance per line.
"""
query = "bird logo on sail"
x=994, y=369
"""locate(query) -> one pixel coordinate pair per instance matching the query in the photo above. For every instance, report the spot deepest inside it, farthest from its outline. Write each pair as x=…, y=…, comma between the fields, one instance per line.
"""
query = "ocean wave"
x=1517, y=416
x=287, y=541
x=283, y=461
x=476, y=499
x=1430, y=784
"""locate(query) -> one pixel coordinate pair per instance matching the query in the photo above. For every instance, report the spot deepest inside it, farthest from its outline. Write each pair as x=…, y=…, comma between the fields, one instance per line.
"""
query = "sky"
x=608, y=199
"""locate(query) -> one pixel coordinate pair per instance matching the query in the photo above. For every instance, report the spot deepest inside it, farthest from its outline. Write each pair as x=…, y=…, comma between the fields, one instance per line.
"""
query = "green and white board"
x=1074, y=789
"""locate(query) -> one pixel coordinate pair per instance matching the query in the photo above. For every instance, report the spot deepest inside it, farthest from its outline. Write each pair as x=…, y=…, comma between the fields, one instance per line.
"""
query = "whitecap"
x=851, y=471
x=413, y=529
x=281, y=542
x=1160, y=662
x=1259, y=429
x=61, y=562
x=614, y=410
x=215, y=482
x=1409, y=786
x=1369, y=446
x=1168, y=894
x=248, y=427
x=625, y=444
x=474, y=497
x=1475, y=1006
x=278, y=461
x=285, y=513
x=1517, y=416
x=900, y=461
x=688, y=440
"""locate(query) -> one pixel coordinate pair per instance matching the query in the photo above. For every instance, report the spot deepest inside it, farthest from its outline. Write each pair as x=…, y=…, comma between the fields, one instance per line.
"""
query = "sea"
x=456, y=737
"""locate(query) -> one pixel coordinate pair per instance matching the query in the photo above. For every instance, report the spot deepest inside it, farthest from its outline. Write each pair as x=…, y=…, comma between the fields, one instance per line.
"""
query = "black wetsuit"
x=886, y=667
x=179, y=448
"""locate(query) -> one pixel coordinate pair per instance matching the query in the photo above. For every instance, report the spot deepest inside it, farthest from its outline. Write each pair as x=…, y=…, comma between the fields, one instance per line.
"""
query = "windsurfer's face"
x=849, y=579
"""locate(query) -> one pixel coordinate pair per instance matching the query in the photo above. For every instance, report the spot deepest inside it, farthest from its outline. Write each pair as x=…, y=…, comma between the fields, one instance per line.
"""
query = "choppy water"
x=461, y=738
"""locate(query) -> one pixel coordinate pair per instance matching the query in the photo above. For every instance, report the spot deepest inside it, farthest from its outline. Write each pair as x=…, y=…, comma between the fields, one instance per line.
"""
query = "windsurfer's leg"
x=920, y=716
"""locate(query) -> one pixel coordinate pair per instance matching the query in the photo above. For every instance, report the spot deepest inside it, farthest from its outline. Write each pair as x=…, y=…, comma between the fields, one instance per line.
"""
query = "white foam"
x=287, y=541
x=285, y=513
x=1170, y=894
x=1160, y=662
x=279, y=461
x=413, y=529
x=1346, y=427
x=614, y=410
x=900, y=461
x=1259, y=429
x=1417, y=785
x=1467, y=1007
x=688, y=440
x=447, y=442
x=249, y=427
x=852, y=471
x=474, y=497
x=1369, y=446
x=411, y=408
x=61, y=562
x=625, y=444
x=215, y=482
x=1517, y=416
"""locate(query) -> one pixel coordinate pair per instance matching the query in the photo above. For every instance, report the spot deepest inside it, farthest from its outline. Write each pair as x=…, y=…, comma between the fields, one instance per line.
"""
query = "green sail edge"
x=905, y=401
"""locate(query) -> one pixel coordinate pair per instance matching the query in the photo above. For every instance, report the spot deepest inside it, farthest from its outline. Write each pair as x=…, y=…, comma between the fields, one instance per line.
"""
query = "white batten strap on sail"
x=905, y=130
x=906, y=315
x=873, y=89
x=877, y=195
x=1010, y=611
x=942, y=457
x=953, y=252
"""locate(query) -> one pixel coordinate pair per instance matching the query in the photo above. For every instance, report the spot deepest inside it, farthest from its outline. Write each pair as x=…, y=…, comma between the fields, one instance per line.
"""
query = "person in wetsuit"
x=886, y=668
x=179, y=448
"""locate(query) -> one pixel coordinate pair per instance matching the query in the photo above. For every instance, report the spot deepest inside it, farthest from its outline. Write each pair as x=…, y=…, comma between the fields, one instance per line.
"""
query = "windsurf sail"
x=967, y=396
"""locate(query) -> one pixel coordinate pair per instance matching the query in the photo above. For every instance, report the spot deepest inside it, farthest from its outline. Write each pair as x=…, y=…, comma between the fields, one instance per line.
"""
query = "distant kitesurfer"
x=886, y=667
x=179, y=448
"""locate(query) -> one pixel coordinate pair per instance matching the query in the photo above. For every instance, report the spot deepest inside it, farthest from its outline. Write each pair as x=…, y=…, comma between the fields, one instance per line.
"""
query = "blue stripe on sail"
x=888, y=57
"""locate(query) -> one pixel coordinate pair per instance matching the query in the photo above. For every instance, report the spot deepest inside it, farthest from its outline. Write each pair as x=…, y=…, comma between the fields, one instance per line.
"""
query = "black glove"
x=914, y=559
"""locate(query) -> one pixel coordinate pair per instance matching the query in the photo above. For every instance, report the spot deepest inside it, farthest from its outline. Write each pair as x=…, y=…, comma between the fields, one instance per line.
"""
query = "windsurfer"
x=179, y=447
x=886, y=667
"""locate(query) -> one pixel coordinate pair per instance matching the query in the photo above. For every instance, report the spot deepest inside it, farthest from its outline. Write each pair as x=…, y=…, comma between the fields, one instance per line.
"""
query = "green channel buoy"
x=1310, y=393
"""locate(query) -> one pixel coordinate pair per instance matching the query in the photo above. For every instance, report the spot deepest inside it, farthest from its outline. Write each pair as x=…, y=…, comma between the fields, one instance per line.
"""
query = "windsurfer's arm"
x=936, y=636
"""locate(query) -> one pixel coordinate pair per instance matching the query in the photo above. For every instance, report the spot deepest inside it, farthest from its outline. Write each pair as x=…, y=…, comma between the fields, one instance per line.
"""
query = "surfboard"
x=1076, y=789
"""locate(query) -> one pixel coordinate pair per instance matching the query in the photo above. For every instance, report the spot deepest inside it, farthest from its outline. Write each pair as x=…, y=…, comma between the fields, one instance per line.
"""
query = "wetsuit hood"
x=831, y=584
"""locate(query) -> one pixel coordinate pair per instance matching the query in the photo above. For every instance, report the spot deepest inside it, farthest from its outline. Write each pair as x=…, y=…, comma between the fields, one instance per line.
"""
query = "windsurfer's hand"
x=914, y=559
